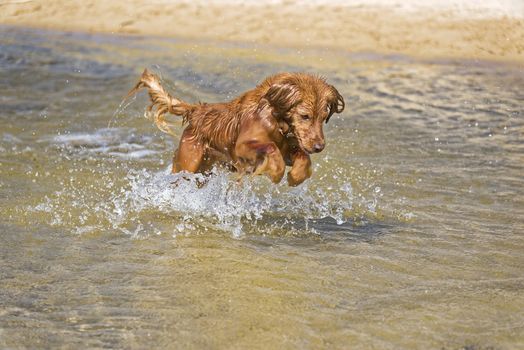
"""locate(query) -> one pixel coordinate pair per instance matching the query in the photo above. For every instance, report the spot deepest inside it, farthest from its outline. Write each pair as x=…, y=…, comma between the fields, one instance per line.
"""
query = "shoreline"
x=419, y=33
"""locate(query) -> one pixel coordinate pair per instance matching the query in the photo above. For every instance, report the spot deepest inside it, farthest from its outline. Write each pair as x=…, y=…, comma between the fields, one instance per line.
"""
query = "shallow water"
x=409, y=234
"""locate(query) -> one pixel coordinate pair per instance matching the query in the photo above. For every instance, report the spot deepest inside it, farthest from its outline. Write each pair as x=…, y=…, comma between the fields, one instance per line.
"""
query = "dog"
x=276, y=124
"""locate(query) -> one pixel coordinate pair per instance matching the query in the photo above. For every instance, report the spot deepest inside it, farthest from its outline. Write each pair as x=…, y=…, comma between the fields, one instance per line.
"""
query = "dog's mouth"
x=308, y=151
x=292, y=133
x=315, y=149
x=302, y=147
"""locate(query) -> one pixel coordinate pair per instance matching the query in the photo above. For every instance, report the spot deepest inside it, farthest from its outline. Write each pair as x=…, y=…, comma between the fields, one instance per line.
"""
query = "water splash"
x=146, y=202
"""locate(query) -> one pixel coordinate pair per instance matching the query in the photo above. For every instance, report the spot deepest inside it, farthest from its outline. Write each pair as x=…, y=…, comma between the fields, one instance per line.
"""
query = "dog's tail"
x=162, y=102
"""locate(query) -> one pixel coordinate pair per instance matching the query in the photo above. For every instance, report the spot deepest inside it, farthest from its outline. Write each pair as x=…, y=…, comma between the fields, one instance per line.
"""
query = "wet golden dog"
x=278, y=123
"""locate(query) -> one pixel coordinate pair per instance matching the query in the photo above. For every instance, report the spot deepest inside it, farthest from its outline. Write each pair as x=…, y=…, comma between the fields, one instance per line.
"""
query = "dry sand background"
x=483, y=29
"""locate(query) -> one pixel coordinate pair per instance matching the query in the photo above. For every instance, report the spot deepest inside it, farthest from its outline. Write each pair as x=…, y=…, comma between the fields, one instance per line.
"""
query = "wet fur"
x=260, y=132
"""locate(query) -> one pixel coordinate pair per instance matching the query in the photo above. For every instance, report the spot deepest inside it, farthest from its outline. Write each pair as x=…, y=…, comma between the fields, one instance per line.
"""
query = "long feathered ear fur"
x=282, y=97
x=336, y=104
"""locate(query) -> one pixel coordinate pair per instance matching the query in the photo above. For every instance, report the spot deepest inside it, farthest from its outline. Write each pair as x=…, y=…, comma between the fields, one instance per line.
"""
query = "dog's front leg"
x=301, y=168
x=261, y=158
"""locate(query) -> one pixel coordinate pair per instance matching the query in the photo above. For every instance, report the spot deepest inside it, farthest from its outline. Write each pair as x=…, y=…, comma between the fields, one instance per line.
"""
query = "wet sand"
x=385, y=27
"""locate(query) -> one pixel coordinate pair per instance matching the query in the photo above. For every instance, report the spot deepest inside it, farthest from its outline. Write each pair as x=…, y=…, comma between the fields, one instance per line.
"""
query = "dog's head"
x=304, y=102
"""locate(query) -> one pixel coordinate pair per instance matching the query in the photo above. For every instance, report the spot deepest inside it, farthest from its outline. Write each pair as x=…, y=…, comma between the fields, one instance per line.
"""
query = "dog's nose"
x=317, y=147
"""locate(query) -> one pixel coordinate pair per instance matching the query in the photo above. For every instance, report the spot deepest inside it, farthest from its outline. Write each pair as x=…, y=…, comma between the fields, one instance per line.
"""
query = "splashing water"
x=146, y=200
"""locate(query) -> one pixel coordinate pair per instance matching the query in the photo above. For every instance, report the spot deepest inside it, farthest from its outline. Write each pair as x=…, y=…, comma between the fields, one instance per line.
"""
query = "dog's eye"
x=305, y=117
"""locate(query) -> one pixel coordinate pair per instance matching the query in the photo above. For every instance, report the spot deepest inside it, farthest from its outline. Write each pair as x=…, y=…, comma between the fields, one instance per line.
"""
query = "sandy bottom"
x=441, y=33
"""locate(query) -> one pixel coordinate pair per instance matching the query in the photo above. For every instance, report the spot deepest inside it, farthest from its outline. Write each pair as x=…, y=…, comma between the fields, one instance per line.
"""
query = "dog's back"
x=214, y=124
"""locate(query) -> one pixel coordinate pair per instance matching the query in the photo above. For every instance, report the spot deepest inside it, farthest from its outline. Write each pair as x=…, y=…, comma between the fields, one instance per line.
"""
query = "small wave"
x=122, y=143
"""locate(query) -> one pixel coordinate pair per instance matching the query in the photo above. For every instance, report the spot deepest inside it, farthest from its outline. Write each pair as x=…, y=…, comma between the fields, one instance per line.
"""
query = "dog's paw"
x=295, y=176
x=277, y=172
x=294, y=181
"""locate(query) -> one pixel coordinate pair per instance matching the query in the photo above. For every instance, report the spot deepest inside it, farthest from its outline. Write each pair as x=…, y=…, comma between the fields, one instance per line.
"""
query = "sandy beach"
x=493, y=30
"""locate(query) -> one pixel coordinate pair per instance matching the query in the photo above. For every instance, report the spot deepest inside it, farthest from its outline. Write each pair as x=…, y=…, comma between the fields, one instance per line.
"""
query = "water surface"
x=409, y=234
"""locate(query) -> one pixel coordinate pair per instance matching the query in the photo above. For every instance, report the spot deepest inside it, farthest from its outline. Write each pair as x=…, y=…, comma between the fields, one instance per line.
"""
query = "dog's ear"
x=335, y=102
x=282, y=97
